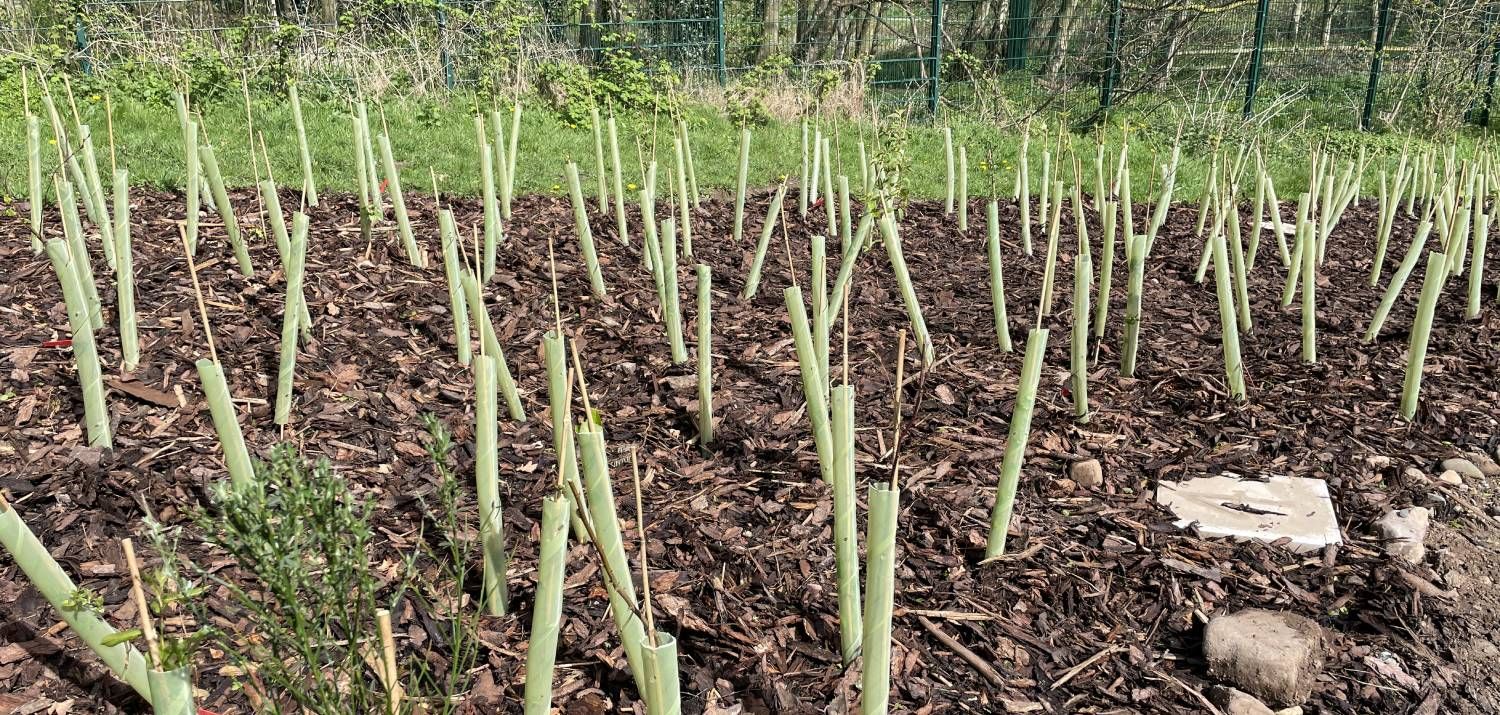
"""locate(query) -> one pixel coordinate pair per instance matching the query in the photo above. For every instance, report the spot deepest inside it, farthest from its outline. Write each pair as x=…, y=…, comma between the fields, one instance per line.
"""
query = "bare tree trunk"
x=770, y=33
x=1297, y=10
x=866, y=41
x=1327, y=22
x=1063, y=27
x=329, y=11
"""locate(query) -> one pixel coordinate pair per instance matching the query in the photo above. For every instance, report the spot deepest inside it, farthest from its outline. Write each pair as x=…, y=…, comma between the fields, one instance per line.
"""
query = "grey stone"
x=1088, y=473
x=1464, y=467
x=1404, y=531
x=1414, y=474
x=1234, y=701
x=1273, y=655
x=1487, y=466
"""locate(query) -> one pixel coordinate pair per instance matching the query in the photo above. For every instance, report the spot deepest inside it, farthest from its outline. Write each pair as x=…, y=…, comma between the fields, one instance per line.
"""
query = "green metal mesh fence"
x=1072, y=57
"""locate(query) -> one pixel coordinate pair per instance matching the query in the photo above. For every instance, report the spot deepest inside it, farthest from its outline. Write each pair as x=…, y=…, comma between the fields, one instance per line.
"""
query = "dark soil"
x=1100, y=609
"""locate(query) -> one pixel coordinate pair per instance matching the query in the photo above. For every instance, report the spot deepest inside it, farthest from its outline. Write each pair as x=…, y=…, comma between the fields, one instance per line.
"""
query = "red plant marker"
x=64, y=343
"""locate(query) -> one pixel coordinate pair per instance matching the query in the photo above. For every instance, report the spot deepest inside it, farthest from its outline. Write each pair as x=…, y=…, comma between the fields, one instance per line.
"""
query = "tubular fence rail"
x=1354, y=62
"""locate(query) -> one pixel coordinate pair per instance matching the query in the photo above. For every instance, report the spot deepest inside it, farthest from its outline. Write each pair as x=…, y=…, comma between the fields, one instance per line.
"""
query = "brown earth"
x=1100, y=609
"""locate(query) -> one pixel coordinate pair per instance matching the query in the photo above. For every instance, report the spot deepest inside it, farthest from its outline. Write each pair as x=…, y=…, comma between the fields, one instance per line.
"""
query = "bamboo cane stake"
x=390, y=676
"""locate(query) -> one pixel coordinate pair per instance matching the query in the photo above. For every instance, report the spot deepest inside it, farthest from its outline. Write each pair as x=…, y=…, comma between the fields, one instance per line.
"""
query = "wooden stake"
x=143, y=612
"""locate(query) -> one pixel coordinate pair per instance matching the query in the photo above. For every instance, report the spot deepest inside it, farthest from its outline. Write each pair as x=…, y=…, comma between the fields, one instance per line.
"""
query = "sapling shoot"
x=491, y=205
x=1107, y=268
x=82, y=266
x=493, y=597
x=1234, y=367
x=684, y=209
x=599, y=173
x=1309, y=301
x=546, y=613
x=948, y=165
x=1049, y=273
x=34, y=179
x=963, y=189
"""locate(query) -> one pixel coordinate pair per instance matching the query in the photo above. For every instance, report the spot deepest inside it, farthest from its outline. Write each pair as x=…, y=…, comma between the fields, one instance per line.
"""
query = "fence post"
x=1381, y=26
x=1252, y=82
x=1015, y=36
x=81, y=44
x=1112, y=69
x=719, y=33
x=443, y=55
x=934, y=81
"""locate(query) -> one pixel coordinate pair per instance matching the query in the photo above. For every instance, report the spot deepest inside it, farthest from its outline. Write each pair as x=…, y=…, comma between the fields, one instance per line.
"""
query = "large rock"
x=1088, y=473
x=1405, y=531
x=1234, y=701
x=1465, y=468
x=1273, y=655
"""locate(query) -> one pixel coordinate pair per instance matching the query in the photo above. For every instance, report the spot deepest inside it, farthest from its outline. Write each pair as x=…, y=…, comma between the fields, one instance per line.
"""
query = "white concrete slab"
x=1269, y=509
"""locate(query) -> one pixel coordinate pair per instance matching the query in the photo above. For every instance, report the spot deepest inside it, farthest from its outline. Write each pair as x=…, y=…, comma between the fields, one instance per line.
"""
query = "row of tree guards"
x=1449, y=194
